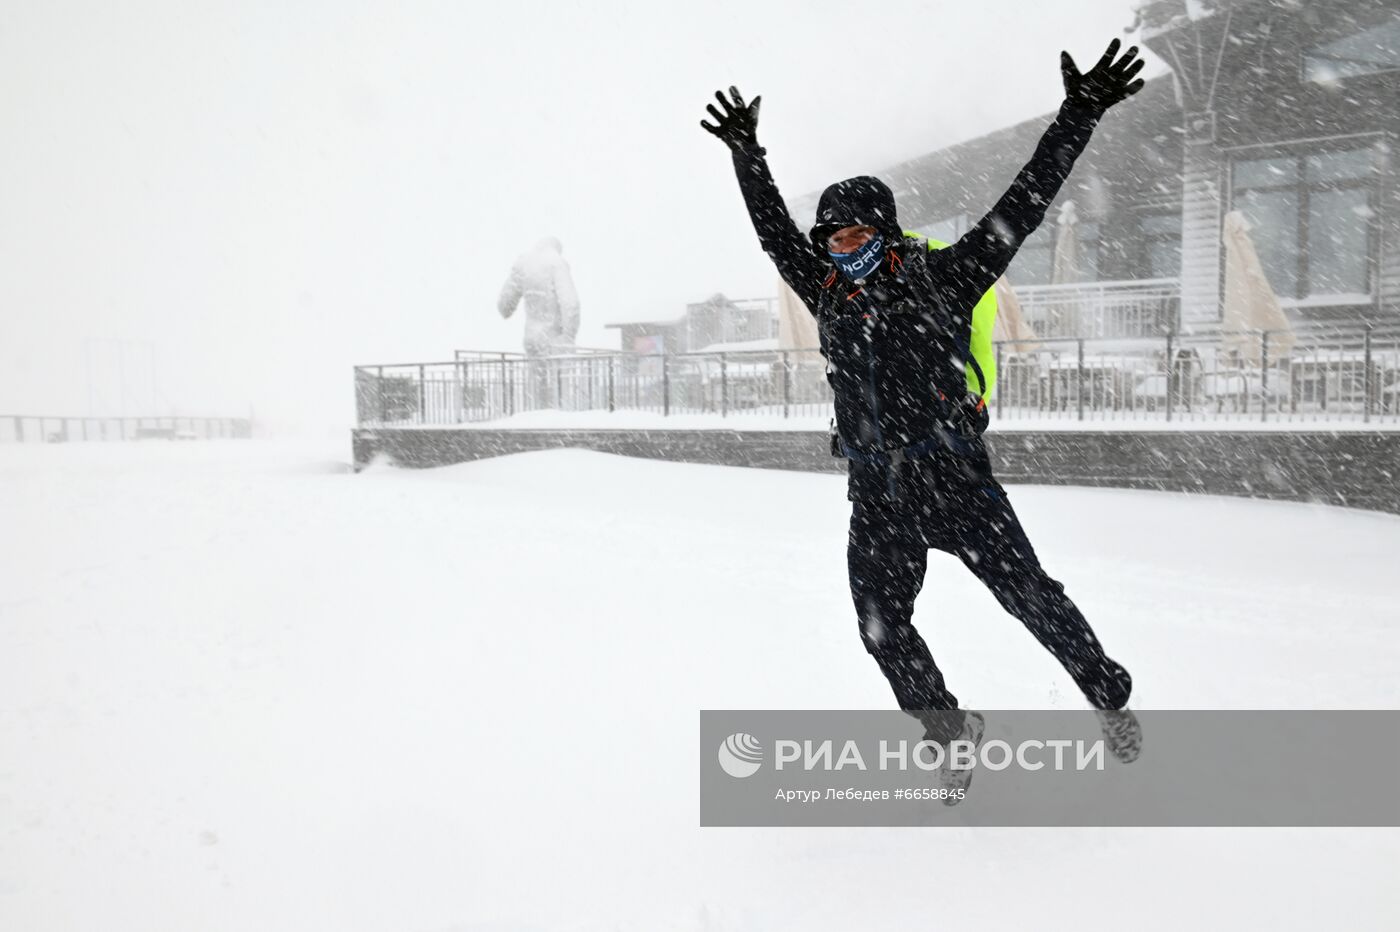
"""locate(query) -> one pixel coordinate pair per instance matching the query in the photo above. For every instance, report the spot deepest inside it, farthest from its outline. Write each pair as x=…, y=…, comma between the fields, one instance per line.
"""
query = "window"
x=1035, y=261
x=1313, y=219
x=1159, y=241
x=1032, y=263
x=1369, y=52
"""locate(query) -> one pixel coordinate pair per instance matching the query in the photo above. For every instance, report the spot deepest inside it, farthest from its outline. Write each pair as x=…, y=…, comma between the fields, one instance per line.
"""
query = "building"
x=716, y=320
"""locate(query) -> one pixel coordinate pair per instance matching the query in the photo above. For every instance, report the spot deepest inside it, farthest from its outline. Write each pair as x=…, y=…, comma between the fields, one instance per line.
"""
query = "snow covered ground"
x=242, y=688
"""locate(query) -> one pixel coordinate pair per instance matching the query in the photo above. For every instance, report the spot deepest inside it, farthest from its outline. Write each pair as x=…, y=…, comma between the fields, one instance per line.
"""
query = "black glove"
x=1110, y=81
x=738, y=125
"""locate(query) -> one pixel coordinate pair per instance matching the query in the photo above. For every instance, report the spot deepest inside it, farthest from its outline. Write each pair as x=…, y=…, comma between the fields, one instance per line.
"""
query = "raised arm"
x=979, y=258
x=784, y=243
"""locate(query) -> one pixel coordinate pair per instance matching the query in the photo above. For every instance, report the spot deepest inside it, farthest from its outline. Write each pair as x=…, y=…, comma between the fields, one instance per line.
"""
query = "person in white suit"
x=542, y=278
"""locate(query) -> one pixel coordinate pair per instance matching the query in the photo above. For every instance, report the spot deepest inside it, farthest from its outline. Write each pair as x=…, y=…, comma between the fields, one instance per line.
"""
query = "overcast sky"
x=262, y=195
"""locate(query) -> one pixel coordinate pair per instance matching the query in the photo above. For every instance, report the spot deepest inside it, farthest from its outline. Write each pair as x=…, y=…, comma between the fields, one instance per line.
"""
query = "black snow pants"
x=887, y=555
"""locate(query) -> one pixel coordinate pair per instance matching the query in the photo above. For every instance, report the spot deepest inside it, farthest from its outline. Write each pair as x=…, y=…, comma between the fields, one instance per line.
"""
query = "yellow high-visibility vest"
x=984, y=318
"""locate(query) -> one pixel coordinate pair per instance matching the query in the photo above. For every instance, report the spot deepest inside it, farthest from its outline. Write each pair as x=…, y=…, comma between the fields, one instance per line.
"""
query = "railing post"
x=723, y=385
x=461, y=368
x=507, y=388
x=383, y=402
x=1321, y=367
x=1366, y=385
x=612, y=396
x=665, y=386
x=1263, y=375
x=787, y=385
x=1293, y=391
x=1170, y=366
x=1244, y=404
x=19, y=429
x=1080, y=380
x=422, y=394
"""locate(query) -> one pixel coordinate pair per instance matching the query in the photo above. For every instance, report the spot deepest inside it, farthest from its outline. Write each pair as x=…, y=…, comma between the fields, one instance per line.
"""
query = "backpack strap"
x=977, y=371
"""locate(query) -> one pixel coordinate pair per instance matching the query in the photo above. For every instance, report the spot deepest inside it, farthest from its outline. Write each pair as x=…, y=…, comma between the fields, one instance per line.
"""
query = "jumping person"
x=895, y=323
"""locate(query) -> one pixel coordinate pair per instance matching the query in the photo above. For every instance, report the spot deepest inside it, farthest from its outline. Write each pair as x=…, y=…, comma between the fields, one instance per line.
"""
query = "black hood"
x=860, y=201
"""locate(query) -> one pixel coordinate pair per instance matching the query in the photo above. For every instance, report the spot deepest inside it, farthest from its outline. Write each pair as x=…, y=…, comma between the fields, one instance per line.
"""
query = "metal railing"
x=474, y=390
x=60, y=429
x=1139, y=308
x=1265, y=376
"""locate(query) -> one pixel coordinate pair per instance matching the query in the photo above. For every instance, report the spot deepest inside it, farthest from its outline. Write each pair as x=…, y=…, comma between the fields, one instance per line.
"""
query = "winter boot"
x=1122, y=732
x=954, y=781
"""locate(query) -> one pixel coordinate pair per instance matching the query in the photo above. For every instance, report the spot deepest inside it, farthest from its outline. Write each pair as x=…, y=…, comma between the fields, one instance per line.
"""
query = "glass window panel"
x=1163, y=257
x=1338, y=166
x=1337, y=242
x=1369, y=52
x=1273, y=217
x=1263, y=173
x=1160, y=245
x=1031, y=266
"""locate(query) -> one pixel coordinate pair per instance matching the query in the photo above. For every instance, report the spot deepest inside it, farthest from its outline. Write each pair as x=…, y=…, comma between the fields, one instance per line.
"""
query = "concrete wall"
x=1358, y=469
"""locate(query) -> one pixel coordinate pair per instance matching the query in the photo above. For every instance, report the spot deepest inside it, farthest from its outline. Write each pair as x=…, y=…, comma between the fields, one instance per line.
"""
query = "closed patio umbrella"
x=1011, y=321
x=1250, y=303
x=1064, y=268
x=797, y=328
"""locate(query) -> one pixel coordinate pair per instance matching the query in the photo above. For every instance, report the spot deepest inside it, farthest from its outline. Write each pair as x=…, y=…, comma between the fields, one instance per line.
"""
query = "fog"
x=219, y=209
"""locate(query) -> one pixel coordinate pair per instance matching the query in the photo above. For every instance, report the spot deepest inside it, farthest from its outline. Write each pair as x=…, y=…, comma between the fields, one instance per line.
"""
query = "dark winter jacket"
x=896, y=343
